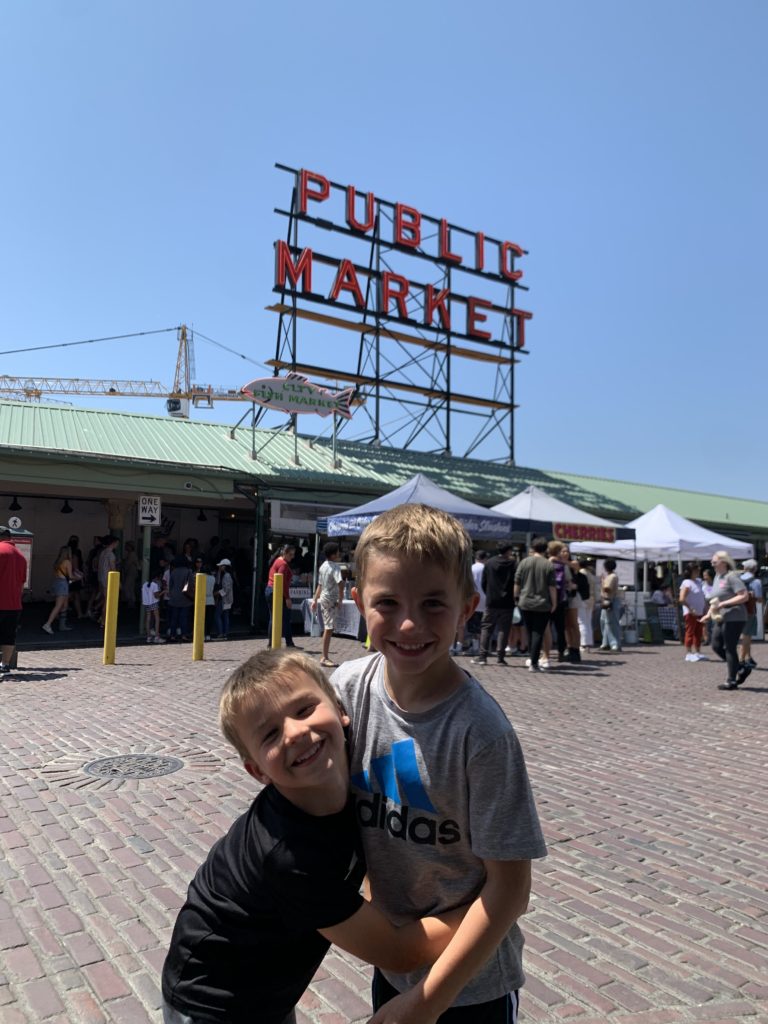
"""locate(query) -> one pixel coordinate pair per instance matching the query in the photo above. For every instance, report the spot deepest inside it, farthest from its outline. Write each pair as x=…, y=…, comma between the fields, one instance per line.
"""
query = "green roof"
x=366, y=470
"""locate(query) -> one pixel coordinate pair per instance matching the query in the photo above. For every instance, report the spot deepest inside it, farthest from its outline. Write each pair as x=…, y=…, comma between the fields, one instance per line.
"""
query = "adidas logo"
x=398, y=781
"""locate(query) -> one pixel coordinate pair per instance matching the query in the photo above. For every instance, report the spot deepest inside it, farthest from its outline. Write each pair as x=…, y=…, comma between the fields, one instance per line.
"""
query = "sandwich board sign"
x=149, y=510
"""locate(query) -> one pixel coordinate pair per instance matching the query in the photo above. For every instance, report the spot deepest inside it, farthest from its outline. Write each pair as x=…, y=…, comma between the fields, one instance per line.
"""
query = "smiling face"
x=295, y=741
x=412, y=610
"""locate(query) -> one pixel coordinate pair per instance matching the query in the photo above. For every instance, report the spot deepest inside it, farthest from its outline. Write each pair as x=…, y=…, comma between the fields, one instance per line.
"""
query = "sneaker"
x=750, y=662
x=4, y=670
x=700, y=657
x=691, y=657
x=543, y=664
x=480, y=660
x=159, y=640
x=47, y=629
x=528, y=663
x=65, y=629
x=151, y=640
x=533, y=668
x=501, y=661
x=729, y=684
x=508, y=650
x=743, y=672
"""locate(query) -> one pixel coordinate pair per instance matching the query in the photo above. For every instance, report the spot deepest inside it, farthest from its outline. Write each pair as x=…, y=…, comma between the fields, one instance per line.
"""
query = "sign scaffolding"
x=410, y=298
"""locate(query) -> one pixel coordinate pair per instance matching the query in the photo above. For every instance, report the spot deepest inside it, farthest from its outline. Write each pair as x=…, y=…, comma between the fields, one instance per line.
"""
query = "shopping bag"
x=315, y=628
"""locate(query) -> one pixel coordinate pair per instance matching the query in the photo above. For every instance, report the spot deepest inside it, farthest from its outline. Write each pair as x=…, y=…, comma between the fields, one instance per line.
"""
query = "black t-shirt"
x=498, y=582
x=245, y=944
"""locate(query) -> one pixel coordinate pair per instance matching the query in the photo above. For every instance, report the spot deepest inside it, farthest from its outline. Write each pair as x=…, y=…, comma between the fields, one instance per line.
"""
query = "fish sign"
x=296, y=393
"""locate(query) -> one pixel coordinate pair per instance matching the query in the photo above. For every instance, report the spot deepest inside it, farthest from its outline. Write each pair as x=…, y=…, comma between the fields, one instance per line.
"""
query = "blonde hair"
x=726, y=558
x=258, y=681
x=419, y=533
x=555, y=547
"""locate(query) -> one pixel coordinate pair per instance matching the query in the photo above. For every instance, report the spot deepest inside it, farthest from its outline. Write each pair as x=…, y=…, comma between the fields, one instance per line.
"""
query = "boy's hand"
x=407, y=1008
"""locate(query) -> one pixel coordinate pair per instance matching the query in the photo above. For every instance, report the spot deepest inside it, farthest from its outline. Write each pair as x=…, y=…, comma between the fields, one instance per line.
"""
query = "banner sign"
x=584, y=532
x=296, y=393
x=338, y=281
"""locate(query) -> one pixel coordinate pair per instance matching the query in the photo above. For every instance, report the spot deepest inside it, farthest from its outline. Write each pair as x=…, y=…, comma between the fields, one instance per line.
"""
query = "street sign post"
x=149, y=510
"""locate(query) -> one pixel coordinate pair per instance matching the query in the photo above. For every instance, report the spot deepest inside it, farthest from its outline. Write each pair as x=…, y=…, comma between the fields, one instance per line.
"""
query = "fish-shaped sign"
x=296, y=393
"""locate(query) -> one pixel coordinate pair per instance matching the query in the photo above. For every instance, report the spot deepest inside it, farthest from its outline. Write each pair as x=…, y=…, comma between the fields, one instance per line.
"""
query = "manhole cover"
x=133, y=766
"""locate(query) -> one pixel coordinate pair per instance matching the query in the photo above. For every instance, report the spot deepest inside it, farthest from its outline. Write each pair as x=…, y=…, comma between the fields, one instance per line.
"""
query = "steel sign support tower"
x=406, y=363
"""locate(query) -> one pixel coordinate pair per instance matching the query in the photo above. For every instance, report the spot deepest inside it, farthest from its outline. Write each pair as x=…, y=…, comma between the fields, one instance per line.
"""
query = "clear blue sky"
x=623, y=145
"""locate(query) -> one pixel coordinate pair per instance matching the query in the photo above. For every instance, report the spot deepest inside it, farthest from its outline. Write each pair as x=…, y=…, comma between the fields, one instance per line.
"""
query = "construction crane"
x=32, y=389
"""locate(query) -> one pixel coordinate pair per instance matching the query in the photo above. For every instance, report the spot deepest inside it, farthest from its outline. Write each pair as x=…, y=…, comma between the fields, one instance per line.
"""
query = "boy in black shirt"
x=284, y=882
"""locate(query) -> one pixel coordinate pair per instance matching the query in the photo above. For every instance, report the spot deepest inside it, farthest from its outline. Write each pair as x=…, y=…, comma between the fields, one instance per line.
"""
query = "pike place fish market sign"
x=296, y=393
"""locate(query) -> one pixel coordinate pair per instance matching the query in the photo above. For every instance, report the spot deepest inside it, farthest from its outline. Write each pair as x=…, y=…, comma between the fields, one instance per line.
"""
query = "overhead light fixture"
x=15, y=506
x=66, y=508
x=202, y=517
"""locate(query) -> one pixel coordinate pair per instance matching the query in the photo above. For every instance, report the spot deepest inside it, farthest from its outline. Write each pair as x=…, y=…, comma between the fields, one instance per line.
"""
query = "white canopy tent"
x=662, y=534
x=535, y=511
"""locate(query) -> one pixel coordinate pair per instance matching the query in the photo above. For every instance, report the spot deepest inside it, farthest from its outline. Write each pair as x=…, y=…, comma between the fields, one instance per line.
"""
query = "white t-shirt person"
x=692, y=595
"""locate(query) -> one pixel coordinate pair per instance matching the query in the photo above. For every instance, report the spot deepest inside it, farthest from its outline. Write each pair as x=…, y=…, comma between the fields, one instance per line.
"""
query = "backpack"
x=751, y=602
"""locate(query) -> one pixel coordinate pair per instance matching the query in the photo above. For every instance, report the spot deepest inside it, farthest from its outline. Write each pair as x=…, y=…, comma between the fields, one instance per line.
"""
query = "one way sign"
x=149, y=510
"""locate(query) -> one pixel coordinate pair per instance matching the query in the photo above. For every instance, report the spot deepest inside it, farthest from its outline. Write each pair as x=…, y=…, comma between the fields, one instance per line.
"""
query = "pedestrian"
x=328, y=595
x=443, y=800
x=284, y=882
x=91, y=580
x=210, y=600
x=223, y=592
x=181, y=595
x=694, y=606
x=576, y=590
x=13, y=576
x=107, y=564
x=152, y=593
x=78, y=575
x=726, y=609
x=557, y=553
x=536, y=595
x=498, y=584
x=708, y=586
x=586, y=632
x=129, y=574
x=281, y=564
x=62, y=576
x=610, y=604
x=754, y=608
x=471, y=639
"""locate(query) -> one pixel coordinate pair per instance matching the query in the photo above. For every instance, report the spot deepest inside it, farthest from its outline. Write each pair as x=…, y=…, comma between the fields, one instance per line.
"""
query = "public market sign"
x=337, y=281
x=296, y=393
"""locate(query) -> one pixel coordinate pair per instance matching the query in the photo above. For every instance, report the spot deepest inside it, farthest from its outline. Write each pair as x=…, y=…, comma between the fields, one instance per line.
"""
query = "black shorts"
x=9, y=623
x=496, y=1011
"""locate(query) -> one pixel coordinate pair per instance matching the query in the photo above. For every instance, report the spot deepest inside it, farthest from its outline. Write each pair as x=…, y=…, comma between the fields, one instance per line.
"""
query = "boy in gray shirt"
x=442, y=796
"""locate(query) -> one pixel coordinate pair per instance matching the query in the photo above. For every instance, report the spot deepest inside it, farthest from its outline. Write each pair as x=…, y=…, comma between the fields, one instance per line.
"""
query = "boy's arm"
x=501, y=901
x=371, y=936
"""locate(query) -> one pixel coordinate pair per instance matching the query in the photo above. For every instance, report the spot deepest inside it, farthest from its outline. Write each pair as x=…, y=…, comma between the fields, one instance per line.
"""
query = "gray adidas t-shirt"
x=436, y=793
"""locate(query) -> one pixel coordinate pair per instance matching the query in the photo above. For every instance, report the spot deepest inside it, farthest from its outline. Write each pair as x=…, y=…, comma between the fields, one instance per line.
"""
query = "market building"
x=81, y=471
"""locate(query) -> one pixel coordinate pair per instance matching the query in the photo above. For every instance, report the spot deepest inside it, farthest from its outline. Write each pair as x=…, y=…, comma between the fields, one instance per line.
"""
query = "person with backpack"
x=727, y=612
x=753, y=605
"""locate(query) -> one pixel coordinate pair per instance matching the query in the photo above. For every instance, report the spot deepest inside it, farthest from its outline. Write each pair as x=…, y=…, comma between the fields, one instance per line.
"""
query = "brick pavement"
x=652, y=906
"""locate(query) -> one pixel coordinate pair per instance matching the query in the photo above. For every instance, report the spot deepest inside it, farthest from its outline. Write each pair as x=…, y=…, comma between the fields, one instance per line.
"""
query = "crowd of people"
x=79, y=585
x=530, y=604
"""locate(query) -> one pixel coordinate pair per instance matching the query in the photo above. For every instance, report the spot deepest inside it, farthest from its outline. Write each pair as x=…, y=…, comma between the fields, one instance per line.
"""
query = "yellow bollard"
x=110, y=618
x=277, y=610
x=198, y=612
